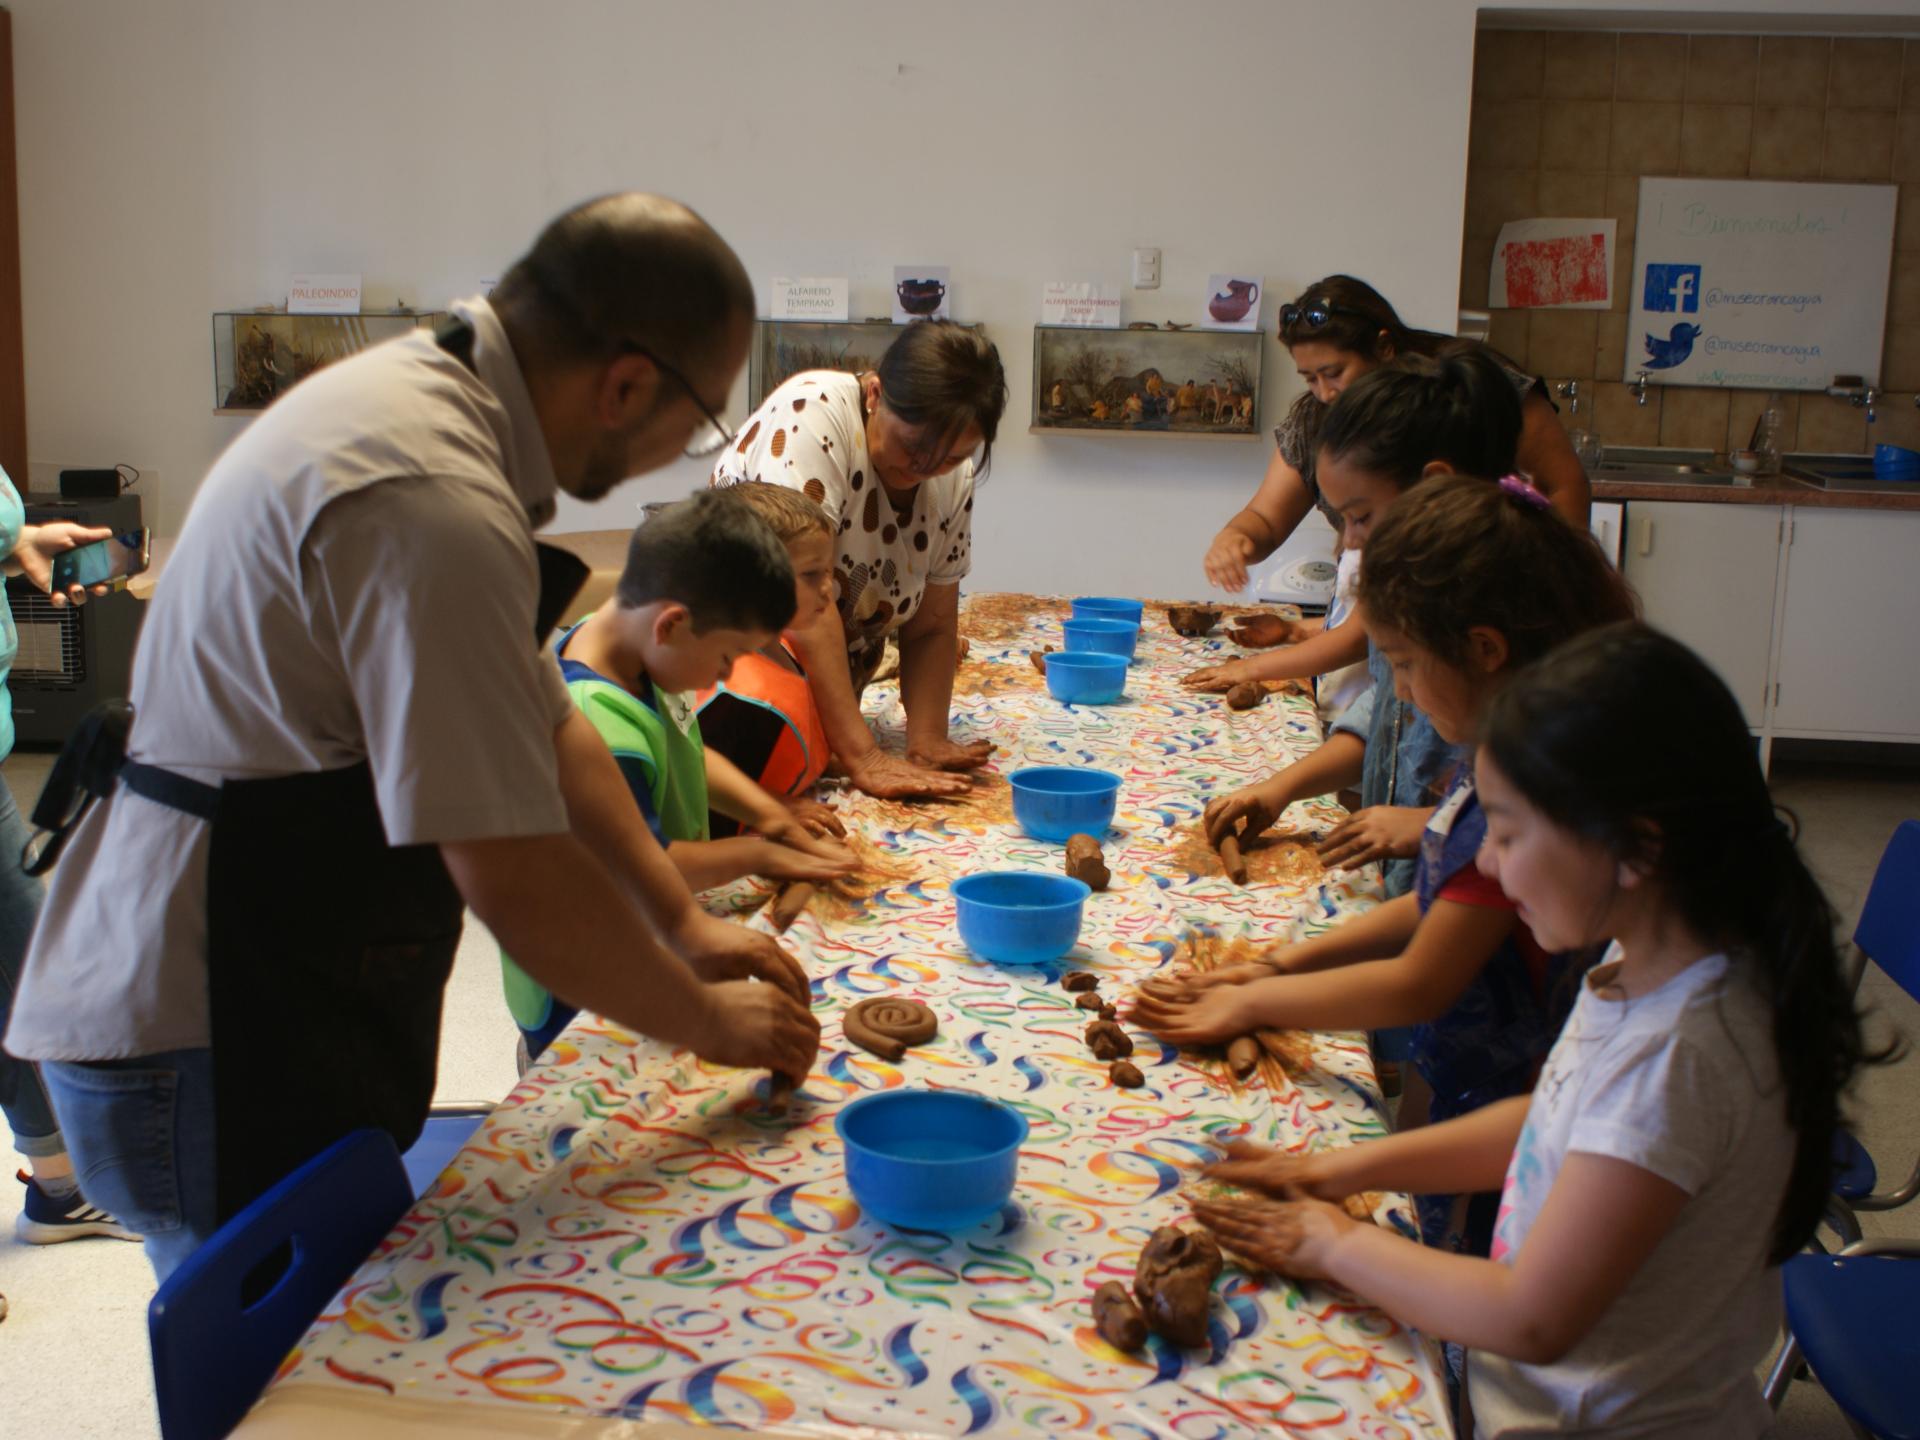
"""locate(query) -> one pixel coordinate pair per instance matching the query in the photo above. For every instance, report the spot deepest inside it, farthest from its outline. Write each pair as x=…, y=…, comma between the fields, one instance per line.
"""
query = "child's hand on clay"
x=1216, y=678
x=1257, y=805
x=817, y=862
x=1379, y=832
x=1260, y=632
x=1208, y=1018
x=819, y=819
x=1285, y=1177
x=1194, y=983
x=1295, y=1237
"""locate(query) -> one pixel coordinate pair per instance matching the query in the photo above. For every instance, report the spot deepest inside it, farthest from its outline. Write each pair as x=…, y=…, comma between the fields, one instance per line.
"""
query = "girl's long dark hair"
x=1626, y=737
x=1457, y=406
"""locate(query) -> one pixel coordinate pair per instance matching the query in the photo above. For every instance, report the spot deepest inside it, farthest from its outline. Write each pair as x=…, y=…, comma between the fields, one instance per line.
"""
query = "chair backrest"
x=1889, y=928
x=213, y=1350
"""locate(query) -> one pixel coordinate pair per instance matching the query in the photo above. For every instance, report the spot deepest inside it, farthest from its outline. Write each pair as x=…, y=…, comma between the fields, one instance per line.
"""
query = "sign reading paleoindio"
x=323, y=295
x=808, y=298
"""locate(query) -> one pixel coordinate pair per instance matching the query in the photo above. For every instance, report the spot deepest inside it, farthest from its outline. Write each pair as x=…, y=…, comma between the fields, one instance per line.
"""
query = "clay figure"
x=1075, y=980
x=1231, y=860
x=1038, y=659
x=1174, y=1283
x=1117, y=1318
x=1246, y=695
x=1126, y=1075
x=886, y=1027
x=1243, y=1056
x=1192, y=620
x=1108, y=1041
x=788, y=903
x=1086, y=863
x=1089, y=1000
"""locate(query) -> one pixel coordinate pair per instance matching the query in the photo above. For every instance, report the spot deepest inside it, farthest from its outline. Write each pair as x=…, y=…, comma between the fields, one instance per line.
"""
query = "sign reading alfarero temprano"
x=323, y=295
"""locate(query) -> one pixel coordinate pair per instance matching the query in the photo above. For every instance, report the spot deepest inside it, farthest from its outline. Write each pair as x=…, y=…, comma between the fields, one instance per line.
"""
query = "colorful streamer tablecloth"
x=633, y=1242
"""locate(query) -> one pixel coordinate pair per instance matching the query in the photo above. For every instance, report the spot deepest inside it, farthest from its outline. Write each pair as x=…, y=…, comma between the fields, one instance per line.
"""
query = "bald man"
x=347, y=727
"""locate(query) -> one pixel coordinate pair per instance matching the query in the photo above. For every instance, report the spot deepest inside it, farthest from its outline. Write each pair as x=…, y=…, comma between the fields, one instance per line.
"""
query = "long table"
x=633, y=1244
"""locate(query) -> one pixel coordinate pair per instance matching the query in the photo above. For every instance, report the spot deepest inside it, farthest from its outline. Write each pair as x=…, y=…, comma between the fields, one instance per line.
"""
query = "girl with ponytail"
x=1678, y=1145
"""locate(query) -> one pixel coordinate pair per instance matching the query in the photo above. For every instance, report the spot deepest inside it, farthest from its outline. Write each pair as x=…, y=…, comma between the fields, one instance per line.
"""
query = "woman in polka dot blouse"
x=891, y=456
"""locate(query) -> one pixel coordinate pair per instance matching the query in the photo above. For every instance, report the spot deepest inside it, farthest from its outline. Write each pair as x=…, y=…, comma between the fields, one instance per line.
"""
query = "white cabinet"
x=1705, y=574
x=1849, y=661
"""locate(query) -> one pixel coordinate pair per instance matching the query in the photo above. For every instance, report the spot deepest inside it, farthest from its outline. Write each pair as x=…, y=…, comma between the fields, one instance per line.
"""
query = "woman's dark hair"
x=1458, y=551
x=941, y=378
x=1458, y=406
x=1626, y=737
x=1359, y=319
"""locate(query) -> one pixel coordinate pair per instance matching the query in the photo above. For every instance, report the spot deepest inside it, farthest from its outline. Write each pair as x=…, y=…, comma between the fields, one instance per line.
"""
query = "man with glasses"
x=346, y=729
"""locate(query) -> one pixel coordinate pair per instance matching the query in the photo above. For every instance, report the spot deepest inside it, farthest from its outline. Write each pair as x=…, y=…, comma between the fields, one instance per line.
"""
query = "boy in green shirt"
x=706, y=580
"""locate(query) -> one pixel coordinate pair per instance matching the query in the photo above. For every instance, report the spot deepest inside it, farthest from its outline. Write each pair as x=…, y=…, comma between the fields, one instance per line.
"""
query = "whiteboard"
x=1759, y=284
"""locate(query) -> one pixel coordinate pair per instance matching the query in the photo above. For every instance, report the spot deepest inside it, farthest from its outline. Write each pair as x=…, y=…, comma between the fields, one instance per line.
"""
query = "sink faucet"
x=1639, y=387
x=1856, y=392
x=1569, y=390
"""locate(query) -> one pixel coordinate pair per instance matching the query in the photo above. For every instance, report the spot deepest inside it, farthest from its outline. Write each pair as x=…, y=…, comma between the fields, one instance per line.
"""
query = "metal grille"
x=53, y=652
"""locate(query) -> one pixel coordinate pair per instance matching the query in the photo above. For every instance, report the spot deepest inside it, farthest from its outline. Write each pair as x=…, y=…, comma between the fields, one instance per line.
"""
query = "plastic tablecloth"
x=633, y=1243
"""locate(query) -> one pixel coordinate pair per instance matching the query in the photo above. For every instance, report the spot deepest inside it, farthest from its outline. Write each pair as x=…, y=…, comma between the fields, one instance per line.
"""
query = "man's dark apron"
x=328, y=949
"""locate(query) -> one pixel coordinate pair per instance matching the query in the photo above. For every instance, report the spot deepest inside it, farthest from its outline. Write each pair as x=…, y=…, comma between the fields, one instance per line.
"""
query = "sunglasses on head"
x=1314, y=314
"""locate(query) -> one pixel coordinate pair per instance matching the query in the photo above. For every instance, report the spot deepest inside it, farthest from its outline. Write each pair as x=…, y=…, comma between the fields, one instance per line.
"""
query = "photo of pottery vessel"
x=1232, y=304
x=920, y=297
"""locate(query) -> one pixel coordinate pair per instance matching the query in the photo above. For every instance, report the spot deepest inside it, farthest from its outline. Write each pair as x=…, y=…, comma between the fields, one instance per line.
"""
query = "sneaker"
x=46, y=1221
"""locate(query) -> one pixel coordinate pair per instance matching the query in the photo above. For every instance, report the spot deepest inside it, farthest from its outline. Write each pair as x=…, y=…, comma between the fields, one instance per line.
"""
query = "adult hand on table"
x=759, y=1027
x=1282, y=1176
x=888, y=777
x=717, y=950
x=33, y=556
x=1227, y=559
x=1224, y=813
x=940, y=753
x=1210, y=1017
x=1379, y=832
x=1295, y=1237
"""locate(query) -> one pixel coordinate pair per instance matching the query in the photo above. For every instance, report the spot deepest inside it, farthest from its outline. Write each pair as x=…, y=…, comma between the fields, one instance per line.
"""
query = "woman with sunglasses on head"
x=892, y=456
x=1338, y=330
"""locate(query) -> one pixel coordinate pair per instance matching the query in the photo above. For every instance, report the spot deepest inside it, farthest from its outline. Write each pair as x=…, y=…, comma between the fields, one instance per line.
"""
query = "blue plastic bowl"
x=1109, y=607
x=931, y=1159
x=1891, y=462
x=1052, y=802
x=1080, y=677
x=1102, y=637
x=1019, y=917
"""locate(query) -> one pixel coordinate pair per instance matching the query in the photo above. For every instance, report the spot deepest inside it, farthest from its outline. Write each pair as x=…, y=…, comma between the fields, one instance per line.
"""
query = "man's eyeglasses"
x=1314, y=314
x=713, y=434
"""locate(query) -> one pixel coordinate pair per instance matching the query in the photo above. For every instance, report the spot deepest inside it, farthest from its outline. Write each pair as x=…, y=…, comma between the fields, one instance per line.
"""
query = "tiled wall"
x=1566, y=123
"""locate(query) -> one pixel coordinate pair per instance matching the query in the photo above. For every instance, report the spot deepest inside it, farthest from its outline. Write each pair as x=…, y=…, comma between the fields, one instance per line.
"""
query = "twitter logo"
x=1672, y=351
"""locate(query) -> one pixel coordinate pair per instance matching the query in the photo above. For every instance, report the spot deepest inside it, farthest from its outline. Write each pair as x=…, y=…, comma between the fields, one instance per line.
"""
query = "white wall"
x=180, y=157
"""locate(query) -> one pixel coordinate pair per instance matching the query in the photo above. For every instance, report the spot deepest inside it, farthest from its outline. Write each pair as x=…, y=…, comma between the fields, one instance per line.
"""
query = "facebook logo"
x=1673, y=288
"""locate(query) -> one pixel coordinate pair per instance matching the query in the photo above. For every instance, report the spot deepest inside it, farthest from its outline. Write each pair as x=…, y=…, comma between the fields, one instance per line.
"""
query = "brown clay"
x=1117, y=1318
x=1038, y=659
x=1192, y=620
x=1246, y=695
x=1090, y=1000
x=1232, y=861
x=1086, y=863
x=779, y=1093
x=1075, y=980
x=960, y=650
x=1174, y=1283
x=1126, y=1075
x=886, y=1027
x=793, y=898
x=1243, y=1056
x=1108, y=1041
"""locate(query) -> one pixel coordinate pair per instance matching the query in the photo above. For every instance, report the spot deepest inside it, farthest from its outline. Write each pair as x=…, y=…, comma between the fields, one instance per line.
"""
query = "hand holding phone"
x=67, y=560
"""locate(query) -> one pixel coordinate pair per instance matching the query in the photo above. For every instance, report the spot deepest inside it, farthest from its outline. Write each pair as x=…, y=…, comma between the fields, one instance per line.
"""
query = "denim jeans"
x=141, y=1135
x=22, y=1097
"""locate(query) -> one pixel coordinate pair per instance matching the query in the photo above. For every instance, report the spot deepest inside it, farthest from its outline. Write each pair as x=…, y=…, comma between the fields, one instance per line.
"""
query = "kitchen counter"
x=1762, y=490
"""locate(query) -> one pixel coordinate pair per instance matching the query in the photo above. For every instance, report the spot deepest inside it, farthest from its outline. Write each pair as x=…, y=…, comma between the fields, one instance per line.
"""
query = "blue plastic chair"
x=1888, y=935
x=1851, y=1317
x=213, y=1352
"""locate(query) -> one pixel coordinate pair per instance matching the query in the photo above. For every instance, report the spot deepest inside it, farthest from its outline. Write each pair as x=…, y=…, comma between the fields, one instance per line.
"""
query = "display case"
x=1191, y=384
x=783, y=348
x=258, y=355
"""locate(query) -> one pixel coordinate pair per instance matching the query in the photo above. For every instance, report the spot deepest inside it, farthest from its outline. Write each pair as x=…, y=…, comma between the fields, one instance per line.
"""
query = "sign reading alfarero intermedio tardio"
x=1759, y=284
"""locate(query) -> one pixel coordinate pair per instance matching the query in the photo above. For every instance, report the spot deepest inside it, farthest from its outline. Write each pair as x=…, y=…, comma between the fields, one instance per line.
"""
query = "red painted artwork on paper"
x=1567, y=271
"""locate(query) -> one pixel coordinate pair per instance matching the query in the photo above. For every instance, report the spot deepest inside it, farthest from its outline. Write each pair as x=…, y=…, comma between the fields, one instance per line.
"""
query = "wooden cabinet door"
x=1705, y=574
x=1850, y=634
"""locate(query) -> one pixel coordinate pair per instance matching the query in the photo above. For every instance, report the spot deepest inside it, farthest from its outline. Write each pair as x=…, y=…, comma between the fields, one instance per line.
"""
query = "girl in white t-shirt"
x=1678, y=1145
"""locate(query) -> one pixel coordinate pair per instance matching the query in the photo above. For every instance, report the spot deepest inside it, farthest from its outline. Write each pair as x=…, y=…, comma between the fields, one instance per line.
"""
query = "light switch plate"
x=1146, y=269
